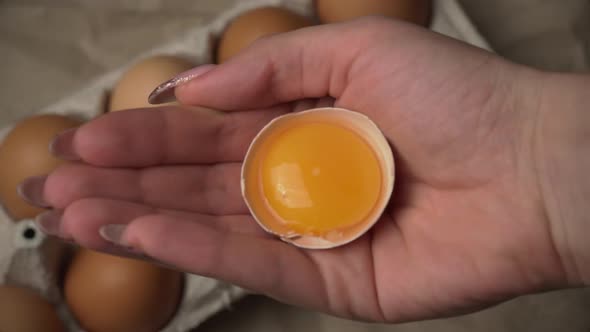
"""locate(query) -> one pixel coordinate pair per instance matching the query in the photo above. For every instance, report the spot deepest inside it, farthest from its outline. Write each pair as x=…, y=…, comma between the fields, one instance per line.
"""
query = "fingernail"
x=49, y=222
x=165, y=92
x=31, y=190
x=114, y=234
x=62, y=145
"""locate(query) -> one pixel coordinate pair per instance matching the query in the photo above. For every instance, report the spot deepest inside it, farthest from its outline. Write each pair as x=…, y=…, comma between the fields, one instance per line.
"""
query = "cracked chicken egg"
x=319, y=178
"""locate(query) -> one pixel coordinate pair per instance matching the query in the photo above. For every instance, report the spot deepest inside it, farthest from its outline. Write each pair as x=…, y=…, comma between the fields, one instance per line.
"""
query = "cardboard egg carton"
x=29, y=258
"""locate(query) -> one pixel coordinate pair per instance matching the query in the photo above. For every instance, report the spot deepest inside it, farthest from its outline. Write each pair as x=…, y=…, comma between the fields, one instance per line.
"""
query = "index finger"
x=312, y=62
x=164, y=135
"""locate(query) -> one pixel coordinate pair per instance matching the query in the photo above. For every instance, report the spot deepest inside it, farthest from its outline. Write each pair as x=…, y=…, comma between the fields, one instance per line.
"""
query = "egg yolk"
x=319, y=177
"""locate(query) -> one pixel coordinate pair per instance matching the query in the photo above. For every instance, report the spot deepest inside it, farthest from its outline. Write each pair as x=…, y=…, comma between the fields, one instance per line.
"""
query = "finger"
x=83, y=219
x=167, y=135
x=263, y=265
x=306, y=104
x=308, y=63
x=207, y=189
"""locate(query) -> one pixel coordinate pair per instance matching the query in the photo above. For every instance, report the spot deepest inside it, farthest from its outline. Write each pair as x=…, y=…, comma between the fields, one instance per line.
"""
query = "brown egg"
x=112, y=294
x=23, y=310
x=250, y=26
x=133, y=88
x=416, y=11
x=24, y=152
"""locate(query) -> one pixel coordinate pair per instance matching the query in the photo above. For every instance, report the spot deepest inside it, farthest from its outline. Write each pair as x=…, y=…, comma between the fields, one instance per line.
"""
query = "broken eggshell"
x=258, y=205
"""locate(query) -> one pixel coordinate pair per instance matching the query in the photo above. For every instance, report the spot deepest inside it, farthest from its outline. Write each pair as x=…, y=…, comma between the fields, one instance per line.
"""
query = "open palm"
x=463, y=229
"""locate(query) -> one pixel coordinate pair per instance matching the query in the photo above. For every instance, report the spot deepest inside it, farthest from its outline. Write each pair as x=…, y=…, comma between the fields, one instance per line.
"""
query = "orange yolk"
x=319, y=177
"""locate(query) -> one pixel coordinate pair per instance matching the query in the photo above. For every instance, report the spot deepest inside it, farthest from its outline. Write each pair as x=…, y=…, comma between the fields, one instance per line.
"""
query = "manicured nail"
x=165, y=92
x=49, y=222
x=31, y=190
x=114, y=234
x=62, y=145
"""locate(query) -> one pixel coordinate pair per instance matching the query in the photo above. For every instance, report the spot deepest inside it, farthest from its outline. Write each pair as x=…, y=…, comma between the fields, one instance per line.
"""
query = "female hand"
x=467, y=225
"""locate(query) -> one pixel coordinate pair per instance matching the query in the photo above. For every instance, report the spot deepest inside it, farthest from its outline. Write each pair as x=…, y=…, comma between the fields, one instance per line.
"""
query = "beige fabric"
x=553, y=35
x=50, y=47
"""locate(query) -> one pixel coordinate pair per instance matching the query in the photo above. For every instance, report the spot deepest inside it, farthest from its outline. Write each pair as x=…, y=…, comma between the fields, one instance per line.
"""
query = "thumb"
x=307, y=63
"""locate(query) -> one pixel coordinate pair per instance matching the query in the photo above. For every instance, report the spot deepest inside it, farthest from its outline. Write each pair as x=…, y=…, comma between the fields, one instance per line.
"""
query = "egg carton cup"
x=29, y=258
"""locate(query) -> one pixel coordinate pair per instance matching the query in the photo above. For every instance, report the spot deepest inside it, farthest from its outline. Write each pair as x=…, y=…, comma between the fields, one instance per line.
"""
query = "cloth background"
x=49, y=48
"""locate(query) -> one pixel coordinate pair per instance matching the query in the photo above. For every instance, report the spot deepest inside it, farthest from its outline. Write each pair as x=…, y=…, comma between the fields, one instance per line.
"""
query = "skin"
x=475, y=218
